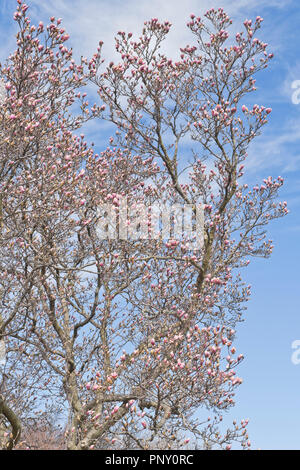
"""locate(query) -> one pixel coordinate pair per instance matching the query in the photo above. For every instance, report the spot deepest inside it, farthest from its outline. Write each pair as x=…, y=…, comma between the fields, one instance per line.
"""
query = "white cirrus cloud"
x=94, y=20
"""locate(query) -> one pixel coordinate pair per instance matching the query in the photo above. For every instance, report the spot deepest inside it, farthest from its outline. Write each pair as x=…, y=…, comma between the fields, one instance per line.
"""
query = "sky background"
x=270, y=394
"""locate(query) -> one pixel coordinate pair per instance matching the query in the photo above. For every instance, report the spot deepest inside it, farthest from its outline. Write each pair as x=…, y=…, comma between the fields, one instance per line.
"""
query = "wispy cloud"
x=277, y=149
x=92, y=20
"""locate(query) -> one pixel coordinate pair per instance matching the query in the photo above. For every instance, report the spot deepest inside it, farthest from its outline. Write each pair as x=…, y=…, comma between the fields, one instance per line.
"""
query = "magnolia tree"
x=122, y=329
x=40, y=85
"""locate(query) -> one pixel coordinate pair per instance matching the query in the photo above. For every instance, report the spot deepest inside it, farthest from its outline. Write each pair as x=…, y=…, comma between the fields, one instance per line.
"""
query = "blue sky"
x=270, y=394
